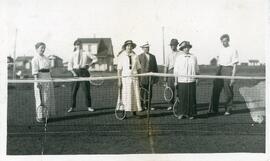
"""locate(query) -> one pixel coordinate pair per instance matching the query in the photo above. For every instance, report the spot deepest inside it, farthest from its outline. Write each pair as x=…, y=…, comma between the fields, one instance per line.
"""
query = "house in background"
x=56, y=61
x=23, y=62
x=10, y=59
x=65, y=64
x=244, y=64
x=254, y=62
x=102, y=48
x=10, y=62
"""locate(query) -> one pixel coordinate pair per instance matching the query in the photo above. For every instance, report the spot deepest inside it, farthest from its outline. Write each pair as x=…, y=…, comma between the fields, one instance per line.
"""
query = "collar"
x=130, y=54
x=187, y=55
x=39, y=56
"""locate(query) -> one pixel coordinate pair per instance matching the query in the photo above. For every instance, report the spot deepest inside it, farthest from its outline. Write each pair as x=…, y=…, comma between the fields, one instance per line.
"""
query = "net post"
x=148, y=107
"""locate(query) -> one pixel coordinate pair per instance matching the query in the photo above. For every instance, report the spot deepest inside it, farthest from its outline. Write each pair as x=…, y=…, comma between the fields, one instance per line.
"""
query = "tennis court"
x=99, y=132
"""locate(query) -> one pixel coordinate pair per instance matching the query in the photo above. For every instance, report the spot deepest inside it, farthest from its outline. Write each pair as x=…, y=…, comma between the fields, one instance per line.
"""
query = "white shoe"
x=169, y=108
x=152, y=108
x=71, y=109
x=90, y=109
x=227, y=113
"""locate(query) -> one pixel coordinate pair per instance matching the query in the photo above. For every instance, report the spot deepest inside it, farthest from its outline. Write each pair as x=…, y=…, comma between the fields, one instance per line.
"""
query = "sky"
x=59, y=22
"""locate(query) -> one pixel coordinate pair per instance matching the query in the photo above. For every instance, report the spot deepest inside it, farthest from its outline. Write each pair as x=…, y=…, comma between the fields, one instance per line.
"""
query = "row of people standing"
x=179, y=62
x=44, y=91
x=182, y=62
x=128, y=64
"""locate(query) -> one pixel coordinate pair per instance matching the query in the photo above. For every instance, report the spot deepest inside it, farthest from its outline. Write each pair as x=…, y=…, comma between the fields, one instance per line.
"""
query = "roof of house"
x=253, y=60
x=24, y=58
x=105, y=47
x=54, y=57
x=10, y=59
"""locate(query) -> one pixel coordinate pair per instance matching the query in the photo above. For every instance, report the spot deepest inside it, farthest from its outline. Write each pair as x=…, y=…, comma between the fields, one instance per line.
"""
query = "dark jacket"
x=148, y=66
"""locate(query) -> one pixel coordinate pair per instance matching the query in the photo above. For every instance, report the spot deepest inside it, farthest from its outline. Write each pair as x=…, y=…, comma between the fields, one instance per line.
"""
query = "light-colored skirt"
x=47, y=93
x=130, y=94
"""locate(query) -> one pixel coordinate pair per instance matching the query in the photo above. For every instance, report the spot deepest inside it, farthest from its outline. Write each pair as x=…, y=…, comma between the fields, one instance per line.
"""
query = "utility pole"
x=163, y=45
x=14, y=55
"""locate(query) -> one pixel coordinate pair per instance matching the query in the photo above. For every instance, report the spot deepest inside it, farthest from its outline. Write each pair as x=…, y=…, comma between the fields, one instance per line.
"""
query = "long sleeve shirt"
x=81, y=59
x=40, y=62
x=186, y=64
x=170, y=60
x=128, y=63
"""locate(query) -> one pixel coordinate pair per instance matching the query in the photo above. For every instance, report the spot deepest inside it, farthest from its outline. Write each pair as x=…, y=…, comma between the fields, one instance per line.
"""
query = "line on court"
x=151, y=141
x=137, y=131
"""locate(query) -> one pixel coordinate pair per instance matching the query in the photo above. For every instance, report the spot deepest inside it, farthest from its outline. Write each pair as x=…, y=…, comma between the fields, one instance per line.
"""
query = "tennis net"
x=248, y=109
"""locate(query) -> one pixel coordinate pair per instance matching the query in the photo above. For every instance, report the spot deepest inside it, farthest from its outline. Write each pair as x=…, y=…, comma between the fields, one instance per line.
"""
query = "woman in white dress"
x=128, y=64
x=45, y=90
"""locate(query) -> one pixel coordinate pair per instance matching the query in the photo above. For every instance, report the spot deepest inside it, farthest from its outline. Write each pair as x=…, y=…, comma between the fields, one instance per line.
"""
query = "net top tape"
x=135, y=75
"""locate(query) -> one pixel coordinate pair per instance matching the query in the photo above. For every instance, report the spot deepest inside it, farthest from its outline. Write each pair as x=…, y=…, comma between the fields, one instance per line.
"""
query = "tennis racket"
x=168, y=93
x=144, y=94
x=176, y=109
x=96, y=82
x=120, y=112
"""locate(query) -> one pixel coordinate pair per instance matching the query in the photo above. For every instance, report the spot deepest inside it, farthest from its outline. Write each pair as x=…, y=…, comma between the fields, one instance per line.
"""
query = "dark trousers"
x=85, y=87
x=218, y=85
x=187, y=98
x=145, y=95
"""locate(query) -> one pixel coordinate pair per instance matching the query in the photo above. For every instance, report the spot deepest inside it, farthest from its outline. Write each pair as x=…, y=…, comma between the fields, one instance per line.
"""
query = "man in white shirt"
x=169, y=66
x=227, y=61
x=78, y=65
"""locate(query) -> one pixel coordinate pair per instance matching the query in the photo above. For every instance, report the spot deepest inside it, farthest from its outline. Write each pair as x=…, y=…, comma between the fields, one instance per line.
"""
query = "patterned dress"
x=129, y=64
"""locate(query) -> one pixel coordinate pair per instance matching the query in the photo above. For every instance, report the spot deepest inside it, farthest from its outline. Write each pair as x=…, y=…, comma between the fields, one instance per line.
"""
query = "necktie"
x=79, y=58
x=130, y=61
x=146, y=63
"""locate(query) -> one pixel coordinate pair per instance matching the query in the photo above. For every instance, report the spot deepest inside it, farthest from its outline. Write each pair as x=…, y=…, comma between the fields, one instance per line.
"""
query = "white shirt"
x=40, y=62
x=80, y=59
x=186, y=64
x=170, y=61
x=228, y=56
x=123, y=63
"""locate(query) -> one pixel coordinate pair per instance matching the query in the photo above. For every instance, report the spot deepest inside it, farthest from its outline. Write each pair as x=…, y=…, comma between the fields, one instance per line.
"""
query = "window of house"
x=90, y=48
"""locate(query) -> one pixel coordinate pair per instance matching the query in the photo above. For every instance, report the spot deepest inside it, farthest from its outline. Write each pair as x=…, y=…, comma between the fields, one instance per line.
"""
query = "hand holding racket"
x=176, y=109
x=168, y=93
x=144, y=94
x=120, y=112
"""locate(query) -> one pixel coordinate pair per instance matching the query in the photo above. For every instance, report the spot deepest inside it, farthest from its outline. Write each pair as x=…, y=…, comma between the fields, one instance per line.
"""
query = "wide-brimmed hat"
x=174, y=42
x=129, y=42
x=146, y=45
x=225, y=36
x=77, y=42
x=185, y=44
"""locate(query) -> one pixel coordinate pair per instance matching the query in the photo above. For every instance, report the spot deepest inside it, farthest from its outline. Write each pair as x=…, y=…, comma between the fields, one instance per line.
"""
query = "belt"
x=44, y=70
x=80, y=68
x=225, y=66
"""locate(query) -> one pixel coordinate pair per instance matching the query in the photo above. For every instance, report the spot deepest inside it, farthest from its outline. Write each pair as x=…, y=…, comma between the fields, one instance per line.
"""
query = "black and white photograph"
x=150, y=80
